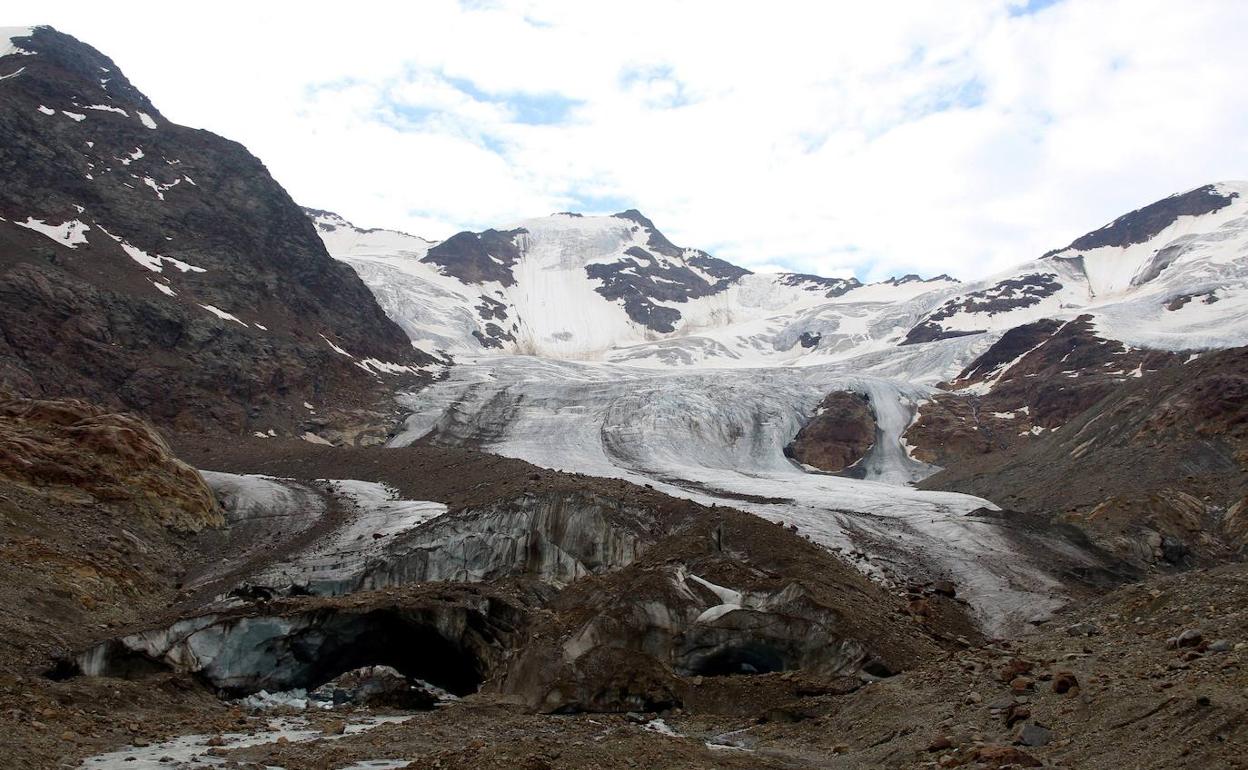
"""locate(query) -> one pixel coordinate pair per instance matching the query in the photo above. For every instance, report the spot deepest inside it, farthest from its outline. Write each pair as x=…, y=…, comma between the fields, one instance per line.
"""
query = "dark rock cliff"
x=160, y=268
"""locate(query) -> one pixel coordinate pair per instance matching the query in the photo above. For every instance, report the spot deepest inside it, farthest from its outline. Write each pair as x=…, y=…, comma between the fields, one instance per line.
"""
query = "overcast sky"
x=871, y=138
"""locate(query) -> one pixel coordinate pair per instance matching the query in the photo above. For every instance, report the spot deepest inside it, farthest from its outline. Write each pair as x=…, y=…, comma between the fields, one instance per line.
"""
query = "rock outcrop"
x=840, y=434
x=729, y=595
x=95, y=519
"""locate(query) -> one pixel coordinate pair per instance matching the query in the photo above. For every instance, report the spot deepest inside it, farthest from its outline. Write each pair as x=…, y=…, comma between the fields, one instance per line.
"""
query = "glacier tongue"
x=717, y=437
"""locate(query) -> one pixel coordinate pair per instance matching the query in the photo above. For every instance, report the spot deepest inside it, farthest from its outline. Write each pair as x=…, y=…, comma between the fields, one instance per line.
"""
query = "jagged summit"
x=1145, y=223
x=73, y=72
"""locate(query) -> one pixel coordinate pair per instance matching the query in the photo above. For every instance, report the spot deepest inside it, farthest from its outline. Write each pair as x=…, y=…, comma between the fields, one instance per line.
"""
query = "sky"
x=837, y=138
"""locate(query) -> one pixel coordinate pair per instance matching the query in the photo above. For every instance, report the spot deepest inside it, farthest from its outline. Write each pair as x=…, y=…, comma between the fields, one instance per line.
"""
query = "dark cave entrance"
x=412, y=646
x=743, y=658
x=316, y=652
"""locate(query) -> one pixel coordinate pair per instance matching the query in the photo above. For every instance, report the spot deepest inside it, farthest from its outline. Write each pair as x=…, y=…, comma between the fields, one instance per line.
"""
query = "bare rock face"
x=160, y=269
x=1142, y=224
x=840, y=434
x=1166, y=527
x=83, y=453
x=1235, y=525
x=1009, y=294
x=376, y=686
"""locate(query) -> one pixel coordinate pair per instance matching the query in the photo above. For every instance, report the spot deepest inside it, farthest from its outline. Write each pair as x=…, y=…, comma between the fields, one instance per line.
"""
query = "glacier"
x=717, y=438
x=578, y=382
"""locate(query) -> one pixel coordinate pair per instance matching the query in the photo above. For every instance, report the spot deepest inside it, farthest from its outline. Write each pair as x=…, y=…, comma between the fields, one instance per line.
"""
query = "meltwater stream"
x=717, y=436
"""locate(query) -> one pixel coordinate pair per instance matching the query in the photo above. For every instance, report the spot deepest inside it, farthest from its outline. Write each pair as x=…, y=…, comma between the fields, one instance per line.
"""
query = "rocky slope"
x=161, y=269
x=1152, y=467
x=549, y=548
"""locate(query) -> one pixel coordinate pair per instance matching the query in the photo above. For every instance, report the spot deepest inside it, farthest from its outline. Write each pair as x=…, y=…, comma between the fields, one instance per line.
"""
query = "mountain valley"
x=280, y=491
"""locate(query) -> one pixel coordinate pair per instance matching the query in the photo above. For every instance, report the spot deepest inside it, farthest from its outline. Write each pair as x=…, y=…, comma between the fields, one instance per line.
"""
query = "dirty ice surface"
x=718, y=437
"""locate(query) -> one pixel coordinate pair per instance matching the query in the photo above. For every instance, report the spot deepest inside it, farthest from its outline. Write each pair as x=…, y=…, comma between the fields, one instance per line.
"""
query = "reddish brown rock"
x=838, y=436
x=1003, y=756
x=1015, y=668
x=1064, y=682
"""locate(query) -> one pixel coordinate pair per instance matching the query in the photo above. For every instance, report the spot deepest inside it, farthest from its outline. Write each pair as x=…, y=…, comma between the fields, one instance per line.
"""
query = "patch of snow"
x=47, y=110
x=77, y=117
x=153, y=262
x=337, y=349
x=662, y=728
x=164, y=288
x=373, y=365
x=72, y=233
x=19, y=71
x=726, y=595
x=146, y=120
x=224, y=316
x=160, y=189
x=184, y=267
x=103, y=108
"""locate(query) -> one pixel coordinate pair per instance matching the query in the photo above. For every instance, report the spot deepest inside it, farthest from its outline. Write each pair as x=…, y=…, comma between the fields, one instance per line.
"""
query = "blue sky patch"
x=1028, y=7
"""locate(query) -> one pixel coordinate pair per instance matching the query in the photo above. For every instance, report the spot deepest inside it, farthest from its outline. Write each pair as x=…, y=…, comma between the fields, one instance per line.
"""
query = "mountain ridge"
x=681, y=310
x=158, y=268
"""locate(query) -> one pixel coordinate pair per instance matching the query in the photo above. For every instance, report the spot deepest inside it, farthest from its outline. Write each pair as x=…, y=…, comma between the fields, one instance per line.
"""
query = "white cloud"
x=880, y=138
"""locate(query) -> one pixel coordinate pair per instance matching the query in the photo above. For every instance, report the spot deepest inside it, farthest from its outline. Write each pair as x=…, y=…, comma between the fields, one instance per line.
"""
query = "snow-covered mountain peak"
x=612, y=287
x=1137, y=247
x=1137, y=276
x=1172, y=274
